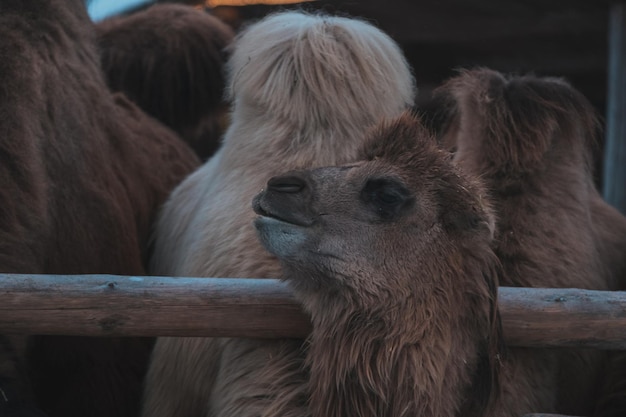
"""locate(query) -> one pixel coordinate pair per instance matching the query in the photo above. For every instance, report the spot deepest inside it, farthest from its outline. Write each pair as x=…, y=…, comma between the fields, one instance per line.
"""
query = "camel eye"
x=387, y=197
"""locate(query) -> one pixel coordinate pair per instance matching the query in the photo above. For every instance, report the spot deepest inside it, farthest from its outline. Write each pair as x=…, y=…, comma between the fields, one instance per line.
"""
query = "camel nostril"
x=286, y=184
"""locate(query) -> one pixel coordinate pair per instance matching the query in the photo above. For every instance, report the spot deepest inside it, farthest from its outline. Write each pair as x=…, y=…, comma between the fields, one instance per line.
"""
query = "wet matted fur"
x=304, y=87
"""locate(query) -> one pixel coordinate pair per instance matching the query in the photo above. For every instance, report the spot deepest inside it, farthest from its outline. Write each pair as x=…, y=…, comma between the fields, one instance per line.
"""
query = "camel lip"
x=266, y=213
x=279, y=220
x=256, y=206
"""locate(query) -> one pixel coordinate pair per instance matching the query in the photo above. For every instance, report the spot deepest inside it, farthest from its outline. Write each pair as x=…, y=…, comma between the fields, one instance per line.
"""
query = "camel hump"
x=169, y=60
x=184, y=59
x=328, y=68
x=514, y=121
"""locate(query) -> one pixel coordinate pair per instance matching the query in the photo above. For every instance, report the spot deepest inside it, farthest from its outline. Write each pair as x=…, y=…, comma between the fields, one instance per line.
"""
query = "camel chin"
x=279, y=237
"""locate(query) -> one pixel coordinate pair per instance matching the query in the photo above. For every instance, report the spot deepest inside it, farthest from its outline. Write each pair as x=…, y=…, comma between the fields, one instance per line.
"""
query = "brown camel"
x=391, y=256
x=169, y=59
x=82, y=175
x=530, y=139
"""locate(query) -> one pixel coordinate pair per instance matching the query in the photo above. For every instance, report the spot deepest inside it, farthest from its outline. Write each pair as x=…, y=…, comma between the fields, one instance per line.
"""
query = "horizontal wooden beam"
x=552, y=317
x=112, y=305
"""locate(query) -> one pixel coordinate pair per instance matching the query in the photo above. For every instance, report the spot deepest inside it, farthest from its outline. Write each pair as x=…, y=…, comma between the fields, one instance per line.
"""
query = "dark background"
x=563, y=38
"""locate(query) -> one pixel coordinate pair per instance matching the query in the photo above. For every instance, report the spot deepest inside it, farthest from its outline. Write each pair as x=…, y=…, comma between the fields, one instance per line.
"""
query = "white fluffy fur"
x=304, y=89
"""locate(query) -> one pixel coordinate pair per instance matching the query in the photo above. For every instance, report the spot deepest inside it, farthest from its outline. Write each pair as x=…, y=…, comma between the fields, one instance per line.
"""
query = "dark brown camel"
x=391, y=257
x=82, y=174
x=169, y=59
x=530, y=139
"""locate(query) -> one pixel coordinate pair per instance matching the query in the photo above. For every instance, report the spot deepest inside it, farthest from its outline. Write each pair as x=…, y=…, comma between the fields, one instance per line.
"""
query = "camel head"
x=391, y=257
x=368, y=229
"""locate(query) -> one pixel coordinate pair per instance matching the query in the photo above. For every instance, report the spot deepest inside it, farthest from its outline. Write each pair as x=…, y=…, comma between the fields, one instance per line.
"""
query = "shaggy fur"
x=391, y=257
x=530, y=139
x=169, y=59
x=304, y=87
x=82, y=173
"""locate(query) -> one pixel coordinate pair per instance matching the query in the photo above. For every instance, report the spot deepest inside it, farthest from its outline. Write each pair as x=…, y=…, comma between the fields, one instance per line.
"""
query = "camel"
x=169, y=59
x=82, y=175
x=530, y=139
x=303, y=88
x=391, y=257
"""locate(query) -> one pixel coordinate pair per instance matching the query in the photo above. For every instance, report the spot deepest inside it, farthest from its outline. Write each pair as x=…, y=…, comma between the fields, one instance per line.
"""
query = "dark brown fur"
x=169, y=60
x=530, y=139
x=391, y=257
x=16, y=396
x=612, y=401
x=82, y=174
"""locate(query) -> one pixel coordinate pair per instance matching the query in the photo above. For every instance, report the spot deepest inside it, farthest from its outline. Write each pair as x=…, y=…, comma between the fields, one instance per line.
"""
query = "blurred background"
x=564, y=38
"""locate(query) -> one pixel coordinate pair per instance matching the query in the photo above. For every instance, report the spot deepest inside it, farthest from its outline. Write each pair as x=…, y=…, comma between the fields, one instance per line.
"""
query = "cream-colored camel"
x=304, y=88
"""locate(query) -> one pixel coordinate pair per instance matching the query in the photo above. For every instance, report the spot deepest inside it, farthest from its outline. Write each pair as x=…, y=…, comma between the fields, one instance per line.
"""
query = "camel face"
x=334, y=223
x=311, y=213
x=348, y=226
x=315, y=211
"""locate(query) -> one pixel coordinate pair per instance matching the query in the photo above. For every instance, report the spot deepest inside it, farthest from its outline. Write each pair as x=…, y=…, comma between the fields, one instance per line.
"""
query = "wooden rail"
x=111, y=305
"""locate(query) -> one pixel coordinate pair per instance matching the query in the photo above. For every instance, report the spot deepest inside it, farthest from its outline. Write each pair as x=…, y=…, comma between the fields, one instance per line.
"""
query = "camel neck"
x=360, y=369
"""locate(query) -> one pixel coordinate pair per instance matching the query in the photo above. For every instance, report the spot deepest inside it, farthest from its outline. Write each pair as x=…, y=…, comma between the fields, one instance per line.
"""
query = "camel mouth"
x=256, y=206
x=289, y=217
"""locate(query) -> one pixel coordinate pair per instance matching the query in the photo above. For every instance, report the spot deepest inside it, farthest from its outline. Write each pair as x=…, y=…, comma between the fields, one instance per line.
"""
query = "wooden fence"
x=112, y=305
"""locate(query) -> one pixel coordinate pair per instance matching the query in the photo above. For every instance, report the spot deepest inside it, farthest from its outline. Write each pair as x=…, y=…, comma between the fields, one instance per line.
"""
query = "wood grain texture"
x=112, y=305
x=105, y=305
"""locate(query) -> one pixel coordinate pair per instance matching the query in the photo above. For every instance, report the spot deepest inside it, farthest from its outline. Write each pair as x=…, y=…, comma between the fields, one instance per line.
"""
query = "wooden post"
x=614, y=179
x=107, y=305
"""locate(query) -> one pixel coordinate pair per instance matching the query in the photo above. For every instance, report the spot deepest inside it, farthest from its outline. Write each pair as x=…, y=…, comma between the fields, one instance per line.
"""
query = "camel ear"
x=464, y=206
x=465, y=220
x=449, y=118
x=179, y=79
